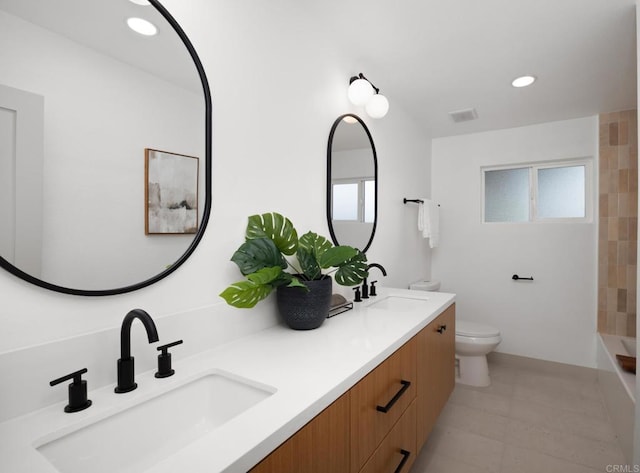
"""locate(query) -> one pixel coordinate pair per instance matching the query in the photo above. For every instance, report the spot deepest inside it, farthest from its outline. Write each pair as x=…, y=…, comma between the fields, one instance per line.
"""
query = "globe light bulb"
x=378, y=106
x=360, y=91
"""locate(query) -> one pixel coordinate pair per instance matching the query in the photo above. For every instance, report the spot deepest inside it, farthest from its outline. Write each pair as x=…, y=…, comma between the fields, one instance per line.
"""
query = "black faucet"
x=126, y=381
x=365, y=287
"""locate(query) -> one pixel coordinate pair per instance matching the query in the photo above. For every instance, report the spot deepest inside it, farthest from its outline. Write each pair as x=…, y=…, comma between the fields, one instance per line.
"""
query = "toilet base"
x=473, y=371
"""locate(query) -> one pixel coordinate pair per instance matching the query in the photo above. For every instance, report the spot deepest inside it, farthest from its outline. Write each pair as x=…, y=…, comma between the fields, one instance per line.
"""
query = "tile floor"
x=527, y=421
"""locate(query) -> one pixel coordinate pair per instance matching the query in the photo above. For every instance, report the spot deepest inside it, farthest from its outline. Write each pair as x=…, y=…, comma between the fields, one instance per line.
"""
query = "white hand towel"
x=429, y=221
x=421, y=216
x=434, y=223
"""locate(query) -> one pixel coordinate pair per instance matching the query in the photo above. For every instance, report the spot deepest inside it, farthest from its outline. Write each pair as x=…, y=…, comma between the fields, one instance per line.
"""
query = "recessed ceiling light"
x=144, y=3
x=523, y=81
x=142, y=27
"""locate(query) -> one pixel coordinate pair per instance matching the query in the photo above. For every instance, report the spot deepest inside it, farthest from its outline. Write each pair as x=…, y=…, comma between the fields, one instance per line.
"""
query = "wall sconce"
x=363, y=92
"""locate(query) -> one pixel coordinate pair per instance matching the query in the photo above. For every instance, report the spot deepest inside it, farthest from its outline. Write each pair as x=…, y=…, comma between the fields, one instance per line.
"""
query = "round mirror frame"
x=207, y=204
x=375, y=168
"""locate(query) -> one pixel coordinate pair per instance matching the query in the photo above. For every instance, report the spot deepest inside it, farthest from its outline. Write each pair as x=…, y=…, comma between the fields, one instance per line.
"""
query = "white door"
x=21, y=159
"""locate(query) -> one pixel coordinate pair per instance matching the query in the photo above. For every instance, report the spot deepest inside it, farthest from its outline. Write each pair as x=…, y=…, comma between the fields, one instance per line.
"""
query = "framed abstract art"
x=171, y=193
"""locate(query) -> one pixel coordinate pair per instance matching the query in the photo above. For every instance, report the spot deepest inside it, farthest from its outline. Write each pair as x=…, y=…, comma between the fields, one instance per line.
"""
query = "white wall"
x=404, y=163
x=278, y=84
x=352, y=163
x=553, y=317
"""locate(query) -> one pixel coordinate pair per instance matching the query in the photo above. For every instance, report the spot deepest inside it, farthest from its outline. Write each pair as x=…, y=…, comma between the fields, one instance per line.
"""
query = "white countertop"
x=308, y=369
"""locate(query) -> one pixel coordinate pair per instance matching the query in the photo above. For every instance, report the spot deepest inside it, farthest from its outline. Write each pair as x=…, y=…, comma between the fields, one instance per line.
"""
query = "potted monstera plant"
x=298, y=268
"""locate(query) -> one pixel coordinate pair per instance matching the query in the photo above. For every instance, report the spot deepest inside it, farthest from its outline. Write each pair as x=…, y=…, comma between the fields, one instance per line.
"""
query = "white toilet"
x=474, y=341
x=431, y=286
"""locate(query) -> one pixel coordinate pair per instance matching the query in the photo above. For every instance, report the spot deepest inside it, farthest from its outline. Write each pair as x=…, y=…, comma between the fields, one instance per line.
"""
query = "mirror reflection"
x=351, y=183
x=81, y=98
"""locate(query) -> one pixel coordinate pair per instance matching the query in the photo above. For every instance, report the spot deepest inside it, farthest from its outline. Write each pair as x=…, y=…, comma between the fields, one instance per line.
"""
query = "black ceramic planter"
x=305, y=310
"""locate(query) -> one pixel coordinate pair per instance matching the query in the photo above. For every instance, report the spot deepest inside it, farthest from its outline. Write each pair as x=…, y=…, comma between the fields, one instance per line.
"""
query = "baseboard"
x=543, y=366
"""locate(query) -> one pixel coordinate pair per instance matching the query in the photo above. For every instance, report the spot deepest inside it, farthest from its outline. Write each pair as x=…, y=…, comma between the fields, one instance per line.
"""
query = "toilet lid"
x=473, y=329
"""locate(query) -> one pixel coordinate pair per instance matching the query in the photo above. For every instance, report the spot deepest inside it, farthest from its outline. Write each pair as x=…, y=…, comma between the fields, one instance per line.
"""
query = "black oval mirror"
x=352, y=183
x=113, y=120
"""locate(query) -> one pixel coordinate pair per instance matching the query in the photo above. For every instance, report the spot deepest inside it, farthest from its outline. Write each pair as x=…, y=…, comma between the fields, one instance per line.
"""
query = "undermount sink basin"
x=137, y=438
x=399, y=304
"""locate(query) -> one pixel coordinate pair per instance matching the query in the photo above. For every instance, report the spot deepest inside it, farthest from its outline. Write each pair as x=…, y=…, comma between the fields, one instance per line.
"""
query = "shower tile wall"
x=618, y=223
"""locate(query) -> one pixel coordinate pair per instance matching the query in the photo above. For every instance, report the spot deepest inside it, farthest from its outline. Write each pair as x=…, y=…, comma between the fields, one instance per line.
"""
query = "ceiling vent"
x=464, y=115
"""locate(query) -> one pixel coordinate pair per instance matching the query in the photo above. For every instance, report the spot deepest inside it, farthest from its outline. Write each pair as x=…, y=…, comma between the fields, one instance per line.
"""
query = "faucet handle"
x=77, y=391
x=358, y=297
x=164, y=360
x=372, y=290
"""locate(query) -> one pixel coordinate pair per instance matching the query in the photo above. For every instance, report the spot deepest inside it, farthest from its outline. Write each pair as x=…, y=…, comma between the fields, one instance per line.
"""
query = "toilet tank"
x=424, y=285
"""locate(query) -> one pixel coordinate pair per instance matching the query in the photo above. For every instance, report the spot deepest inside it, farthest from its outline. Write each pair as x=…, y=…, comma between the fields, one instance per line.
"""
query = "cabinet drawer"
x=397, y=452
x=392, y=385
x=321, y=446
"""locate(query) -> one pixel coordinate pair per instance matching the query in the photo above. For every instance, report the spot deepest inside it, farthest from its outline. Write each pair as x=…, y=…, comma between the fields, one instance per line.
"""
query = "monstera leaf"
x=253, y=255
x=314, y=243
x=275, y=227
x=353, y=271
x=311, y=247
x=336, y=256
x=266, y=275
x=308, y=264
x=245, y=294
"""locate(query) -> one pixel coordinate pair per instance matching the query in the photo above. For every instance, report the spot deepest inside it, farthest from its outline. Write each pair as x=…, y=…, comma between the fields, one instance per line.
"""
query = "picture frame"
x=170, y=193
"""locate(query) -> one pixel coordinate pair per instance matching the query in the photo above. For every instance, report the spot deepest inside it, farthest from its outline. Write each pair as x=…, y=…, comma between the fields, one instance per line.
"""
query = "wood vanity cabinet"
x=436, y=370
x=381, y=423
x=321, y=446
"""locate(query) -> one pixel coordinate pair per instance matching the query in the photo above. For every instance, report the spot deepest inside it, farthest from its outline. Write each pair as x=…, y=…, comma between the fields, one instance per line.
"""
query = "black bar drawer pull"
x=405, y=456
x=405, y=386
x=441, y=328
